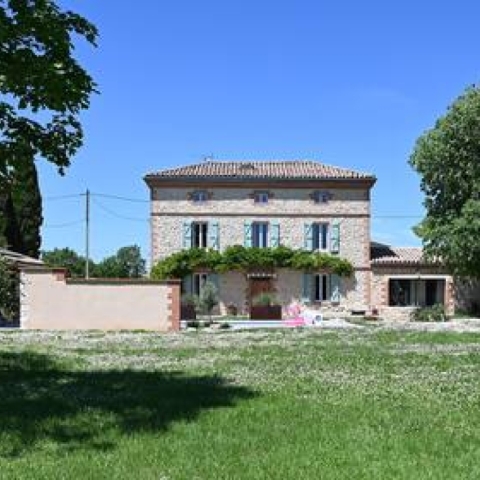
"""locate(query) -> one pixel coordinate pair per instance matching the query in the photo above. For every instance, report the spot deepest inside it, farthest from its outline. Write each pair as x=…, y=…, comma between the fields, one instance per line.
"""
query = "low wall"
x=51, y=301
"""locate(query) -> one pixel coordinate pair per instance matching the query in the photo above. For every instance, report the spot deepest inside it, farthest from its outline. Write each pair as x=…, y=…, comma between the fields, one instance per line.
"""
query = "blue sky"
x=349, y=83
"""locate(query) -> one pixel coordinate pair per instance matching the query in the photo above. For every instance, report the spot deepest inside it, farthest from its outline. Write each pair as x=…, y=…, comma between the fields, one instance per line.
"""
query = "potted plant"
x=232, y=309
x=265, y=307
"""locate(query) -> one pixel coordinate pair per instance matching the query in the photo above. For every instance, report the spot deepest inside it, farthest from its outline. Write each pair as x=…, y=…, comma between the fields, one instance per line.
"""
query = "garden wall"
x=51, y=301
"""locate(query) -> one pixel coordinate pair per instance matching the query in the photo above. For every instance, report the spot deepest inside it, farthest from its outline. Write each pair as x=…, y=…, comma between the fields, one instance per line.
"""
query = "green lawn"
x=299, y=404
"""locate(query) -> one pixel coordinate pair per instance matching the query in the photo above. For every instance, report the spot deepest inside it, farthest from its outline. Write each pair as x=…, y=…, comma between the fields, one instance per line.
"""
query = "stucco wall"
x=49, y=301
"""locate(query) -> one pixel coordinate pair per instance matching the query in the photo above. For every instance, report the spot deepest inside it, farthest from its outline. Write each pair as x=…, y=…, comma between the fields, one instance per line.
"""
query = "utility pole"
x=87, y=234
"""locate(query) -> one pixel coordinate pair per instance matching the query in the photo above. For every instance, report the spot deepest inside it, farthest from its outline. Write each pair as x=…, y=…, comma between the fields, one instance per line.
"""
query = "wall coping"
x=62, y=272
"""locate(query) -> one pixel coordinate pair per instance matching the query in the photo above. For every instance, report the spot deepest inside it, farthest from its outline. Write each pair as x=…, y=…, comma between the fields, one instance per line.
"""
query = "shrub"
x=264, y=299
x=436, y=313
x=207, y=299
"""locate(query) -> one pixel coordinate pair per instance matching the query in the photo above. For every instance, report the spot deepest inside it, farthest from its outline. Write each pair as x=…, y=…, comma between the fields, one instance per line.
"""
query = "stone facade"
x=382, y=275
x=291, y=208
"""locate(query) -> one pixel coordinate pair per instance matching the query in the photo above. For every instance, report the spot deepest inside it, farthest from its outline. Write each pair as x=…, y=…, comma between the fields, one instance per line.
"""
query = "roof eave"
x=153, y=180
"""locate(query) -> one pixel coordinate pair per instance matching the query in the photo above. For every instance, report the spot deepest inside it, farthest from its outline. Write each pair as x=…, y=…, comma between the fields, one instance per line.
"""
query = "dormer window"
x=261, y=197
x=321, y=196
x=199, y=196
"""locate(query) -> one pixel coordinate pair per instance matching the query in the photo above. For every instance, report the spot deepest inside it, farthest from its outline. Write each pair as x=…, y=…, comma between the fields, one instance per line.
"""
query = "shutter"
x=213, y=235
x=307, y=288
x=334, y=288
x=247, y=234
x=187, y=234
x=275, y=234
x=308, y=237
x=335, y=237
x=187, y=285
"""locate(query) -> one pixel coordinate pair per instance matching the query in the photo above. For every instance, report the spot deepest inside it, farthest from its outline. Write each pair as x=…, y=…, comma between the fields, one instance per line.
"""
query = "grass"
x=302, y=404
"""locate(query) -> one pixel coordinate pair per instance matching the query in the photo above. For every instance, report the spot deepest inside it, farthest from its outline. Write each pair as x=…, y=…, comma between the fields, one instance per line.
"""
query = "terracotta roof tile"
x=387, y=255
x=272, y=169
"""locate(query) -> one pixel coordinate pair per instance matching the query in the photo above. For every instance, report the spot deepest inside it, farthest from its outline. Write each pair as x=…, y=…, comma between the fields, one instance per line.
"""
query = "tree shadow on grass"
x=41, y=402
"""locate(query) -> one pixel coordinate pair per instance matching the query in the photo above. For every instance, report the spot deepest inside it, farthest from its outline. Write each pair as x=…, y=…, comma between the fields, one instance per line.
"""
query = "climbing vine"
x=240, y=258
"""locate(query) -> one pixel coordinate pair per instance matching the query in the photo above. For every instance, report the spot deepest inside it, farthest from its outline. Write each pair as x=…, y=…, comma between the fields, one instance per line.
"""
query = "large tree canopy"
x=42, y=87
x=448, y=159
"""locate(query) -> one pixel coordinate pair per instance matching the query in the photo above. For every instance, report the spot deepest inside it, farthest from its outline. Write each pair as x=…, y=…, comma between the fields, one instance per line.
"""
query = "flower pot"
x=187, y=312
x=266, y=312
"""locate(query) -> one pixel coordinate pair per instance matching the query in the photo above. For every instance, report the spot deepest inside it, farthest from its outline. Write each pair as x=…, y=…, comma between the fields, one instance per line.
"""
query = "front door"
x=259, y=286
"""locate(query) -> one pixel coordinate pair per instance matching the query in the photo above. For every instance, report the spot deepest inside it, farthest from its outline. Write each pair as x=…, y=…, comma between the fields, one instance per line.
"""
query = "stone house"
x=299, y=204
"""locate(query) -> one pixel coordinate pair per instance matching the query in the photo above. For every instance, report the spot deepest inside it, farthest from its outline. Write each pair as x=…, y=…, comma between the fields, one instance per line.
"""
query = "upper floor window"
x=321, y=196
x=261, y=197
x=320, y=236
x=199, y=196
x=199, y=234
x=260, y=234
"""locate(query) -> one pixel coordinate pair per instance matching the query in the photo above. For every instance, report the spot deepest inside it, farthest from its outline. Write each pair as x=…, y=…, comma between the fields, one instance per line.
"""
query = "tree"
x=9, y=291
x=42, y=87
x=126, y=263
x=66, y=258
x=26, y=213
x=207, y=299
x=448, y=159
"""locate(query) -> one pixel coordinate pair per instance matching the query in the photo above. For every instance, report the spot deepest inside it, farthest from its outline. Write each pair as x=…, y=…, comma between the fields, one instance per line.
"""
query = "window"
x=199, y=280
x=320, y=236
x=411, y=292
x=260, y=234
x=321, y=288
x=199, y=196
x=260, y=197
x=321, y=196
x=199, y=235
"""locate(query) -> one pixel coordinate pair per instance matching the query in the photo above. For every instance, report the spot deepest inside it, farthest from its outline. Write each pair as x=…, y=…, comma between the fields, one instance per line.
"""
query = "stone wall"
x=380, y=287
x=287, y=288
x=50, y=301
x=291, y=208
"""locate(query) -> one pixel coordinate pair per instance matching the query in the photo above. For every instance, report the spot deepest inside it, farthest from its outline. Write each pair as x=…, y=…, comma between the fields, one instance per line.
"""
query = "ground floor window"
x=321, y=288
x=413, y=292
x=199, y=280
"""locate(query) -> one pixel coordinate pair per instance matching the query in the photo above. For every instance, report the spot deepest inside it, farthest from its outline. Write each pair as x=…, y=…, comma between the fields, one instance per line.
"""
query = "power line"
x=397, y=216
x=62, y=197
x=118, y=197
x=118, y=215
x=63, y=225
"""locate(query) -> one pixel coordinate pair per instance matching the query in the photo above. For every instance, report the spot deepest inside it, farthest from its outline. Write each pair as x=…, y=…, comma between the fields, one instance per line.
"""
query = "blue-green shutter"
x=187, y=234
x=275, y=234
x=213, y=235
x=335, y=237
x=308, y=237
x=307, y=287
x=247, y=233
x=334, y=288
x=187, y=285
